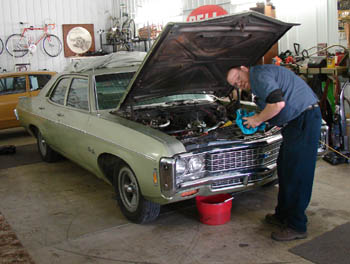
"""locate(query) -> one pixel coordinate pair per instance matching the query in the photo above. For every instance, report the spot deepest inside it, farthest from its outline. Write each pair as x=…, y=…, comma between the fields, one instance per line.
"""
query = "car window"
x=59, y=92
x=110, y=88
x=12, y=85
x=78, y=94
x=38, y=81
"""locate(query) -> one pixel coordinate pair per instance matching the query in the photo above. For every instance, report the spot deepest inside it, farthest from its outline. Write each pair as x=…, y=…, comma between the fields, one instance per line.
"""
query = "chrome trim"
x=346, y=141
x=16, y=114
x=238, y=146
x=108, y=141
x=167, y=176
x=228, y=176
x=244, y=158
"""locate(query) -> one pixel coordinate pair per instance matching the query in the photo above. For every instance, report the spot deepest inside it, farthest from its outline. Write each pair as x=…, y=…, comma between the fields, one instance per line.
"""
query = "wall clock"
x=78, y=39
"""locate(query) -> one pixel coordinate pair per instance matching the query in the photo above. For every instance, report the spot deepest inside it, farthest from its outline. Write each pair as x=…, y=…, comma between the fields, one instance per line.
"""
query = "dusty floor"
x=63, y=214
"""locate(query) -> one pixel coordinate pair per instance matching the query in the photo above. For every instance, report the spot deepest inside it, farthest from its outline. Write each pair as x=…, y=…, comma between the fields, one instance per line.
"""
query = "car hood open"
x=194, y=57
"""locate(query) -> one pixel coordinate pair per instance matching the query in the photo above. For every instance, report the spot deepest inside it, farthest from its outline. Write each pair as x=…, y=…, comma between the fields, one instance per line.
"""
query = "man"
x=288, y=102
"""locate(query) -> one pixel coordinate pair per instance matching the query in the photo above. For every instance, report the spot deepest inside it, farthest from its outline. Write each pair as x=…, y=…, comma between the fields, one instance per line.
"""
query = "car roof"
x=100, y=71
x=23, y=73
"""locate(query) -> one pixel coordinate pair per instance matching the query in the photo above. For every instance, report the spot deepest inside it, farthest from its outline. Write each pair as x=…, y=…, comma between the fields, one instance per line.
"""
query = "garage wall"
x=318, y=19
x=36, y=12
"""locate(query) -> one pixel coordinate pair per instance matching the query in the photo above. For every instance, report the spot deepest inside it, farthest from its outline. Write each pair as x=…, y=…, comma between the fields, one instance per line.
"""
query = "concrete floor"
x=64, y=214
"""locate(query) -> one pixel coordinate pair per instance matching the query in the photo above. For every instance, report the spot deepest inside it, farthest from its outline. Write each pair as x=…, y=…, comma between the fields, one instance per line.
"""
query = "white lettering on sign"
x=200, y=17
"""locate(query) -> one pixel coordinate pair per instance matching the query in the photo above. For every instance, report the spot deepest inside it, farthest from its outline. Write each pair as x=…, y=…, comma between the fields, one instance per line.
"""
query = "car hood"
x=194, y=57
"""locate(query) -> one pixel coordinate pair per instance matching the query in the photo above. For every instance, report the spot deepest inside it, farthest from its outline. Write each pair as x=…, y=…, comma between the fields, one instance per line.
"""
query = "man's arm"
x=269, y=112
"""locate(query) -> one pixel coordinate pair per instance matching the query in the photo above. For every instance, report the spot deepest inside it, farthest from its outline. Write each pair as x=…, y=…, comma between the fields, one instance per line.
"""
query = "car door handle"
x=41, y=107
x=59, y=114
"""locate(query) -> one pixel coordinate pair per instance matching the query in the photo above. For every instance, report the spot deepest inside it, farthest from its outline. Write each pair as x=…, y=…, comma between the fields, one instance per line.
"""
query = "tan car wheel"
x=46, y=153
x=130, y=199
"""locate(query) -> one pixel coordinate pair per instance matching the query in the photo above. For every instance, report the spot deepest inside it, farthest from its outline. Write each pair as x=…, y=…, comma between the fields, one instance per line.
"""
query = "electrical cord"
x=332, y=149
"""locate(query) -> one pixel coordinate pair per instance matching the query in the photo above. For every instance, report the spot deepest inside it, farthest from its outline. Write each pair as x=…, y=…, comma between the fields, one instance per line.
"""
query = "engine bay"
x=195, y=125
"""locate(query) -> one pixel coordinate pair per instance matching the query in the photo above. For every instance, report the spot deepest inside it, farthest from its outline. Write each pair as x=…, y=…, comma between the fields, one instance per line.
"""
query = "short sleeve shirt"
x=297, y=95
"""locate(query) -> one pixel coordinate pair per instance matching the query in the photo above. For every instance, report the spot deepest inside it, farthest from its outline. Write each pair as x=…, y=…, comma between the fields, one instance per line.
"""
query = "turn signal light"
x=155, y=178
x=188, y=193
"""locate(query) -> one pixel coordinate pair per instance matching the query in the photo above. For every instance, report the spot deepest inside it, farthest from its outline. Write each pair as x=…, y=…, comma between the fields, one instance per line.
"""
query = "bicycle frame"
x=18, y=45
x=45, y=29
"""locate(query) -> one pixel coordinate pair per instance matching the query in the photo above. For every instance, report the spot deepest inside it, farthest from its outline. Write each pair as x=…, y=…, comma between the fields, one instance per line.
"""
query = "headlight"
x=195, y=164
x=180, y=166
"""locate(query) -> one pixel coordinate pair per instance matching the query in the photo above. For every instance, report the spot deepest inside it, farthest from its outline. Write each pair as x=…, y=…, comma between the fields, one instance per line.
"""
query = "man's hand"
x=251, y=121
x=269, y=111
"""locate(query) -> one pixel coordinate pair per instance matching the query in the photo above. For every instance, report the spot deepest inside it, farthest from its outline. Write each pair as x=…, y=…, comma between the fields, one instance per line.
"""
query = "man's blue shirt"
x=297, y=95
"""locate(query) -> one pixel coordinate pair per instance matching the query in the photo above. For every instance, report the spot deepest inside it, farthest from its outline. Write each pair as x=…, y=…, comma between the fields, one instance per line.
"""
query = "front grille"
x=240, y=159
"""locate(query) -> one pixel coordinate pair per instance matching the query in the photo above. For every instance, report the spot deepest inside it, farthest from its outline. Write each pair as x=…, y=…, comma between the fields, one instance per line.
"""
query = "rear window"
x=59, y=93
x=38, y=81
x=12, y=85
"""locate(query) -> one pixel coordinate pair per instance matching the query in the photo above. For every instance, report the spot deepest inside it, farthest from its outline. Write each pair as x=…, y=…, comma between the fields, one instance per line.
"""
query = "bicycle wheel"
x=1, y=46
x=52, y=45
x=129, y=29
x=17, y=45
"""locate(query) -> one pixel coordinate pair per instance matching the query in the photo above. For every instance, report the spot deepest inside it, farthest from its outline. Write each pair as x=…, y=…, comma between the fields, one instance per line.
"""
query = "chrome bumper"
x=232, y=181
x=16, y=114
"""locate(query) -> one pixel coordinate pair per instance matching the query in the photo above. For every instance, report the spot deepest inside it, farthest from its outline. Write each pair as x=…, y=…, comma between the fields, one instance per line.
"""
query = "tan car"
x=17, y=84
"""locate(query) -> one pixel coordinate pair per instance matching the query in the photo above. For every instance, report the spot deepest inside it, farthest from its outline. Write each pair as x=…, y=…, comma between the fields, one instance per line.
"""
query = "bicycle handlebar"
x=32, y=27
x=52, y=26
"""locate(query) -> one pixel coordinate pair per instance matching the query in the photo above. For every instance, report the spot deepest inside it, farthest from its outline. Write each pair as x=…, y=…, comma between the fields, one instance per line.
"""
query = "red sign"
x=206, y=11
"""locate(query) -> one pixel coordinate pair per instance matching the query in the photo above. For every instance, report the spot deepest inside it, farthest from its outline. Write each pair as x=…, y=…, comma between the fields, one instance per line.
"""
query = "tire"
x=1, y=46
x=129, y=28
x=131, y=202
x=46, y=153
x=52, y=45
x=17, y=45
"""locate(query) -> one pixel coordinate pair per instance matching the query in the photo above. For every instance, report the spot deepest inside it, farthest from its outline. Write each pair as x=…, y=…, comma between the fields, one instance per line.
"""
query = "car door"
x=73, y=120
x=11, y=88
x=50, y=111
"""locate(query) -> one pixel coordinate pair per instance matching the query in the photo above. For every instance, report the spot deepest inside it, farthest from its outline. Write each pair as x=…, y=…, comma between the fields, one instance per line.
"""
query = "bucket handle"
x=229, y=199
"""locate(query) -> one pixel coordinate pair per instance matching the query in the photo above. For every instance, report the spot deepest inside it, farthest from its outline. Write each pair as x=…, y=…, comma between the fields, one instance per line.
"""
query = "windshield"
x=110, y=88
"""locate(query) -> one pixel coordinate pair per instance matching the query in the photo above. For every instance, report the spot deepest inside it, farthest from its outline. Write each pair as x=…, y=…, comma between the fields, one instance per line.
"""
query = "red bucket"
x=215, y=209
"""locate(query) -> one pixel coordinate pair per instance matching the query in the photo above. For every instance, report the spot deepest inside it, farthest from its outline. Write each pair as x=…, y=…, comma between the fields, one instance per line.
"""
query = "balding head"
x=239, y=77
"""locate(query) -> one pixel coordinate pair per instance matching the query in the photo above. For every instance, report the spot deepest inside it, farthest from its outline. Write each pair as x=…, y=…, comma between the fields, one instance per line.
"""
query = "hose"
x=332, y=149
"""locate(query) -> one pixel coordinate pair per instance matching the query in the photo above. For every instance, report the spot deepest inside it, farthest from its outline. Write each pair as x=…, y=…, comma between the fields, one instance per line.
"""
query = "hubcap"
x=128, y=189
x=42, y=144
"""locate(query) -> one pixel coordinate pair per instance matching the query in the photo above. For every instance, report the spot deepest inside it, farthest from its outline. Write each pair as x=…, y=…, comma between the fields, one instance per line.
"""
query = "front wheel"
x=52, y=45
x=46, y=153
x=129, y=197
x=17, y=45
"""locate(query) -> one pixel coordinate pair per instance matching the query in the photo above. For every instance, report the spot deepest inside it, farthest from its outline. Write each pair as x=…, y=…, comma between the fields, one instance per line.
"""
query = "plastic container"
x=215, y=209
x=330, y=62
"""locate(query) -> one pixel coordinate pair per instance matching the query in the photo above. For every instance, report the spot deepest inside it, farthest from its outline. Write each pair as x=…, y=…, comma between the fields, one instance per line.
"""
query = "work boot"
x=273, y=219
x=288, y=234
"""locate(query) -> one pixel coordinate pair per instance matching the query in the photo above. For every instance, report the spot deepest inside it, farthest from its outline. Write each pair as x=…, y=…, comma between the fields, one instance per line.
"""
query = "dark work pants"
x=296, y=167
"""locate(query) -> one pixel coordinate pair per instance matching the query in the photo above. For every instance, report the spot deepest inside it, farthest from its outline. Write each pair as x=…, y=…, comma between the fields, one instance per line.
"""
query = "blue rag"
x=239, y=121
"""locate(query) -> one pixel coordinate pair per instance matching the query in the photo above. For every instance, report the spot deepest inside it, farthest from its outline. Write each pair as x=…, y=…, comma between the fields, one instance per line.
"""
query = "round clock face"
x=79, y=40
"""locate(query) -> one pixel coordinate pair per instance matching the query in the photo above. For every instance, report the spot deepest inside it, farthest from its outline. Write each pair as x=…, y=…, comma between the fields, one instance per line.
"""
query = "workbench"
x=332, y=74
x=337, y=70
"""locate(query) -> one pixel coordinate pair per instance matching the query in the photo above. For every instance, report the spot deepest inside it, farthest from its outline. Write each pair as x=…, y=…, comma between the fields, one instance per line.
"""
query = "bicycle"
x=1, y=46
x=18, y=45
x=122, y=34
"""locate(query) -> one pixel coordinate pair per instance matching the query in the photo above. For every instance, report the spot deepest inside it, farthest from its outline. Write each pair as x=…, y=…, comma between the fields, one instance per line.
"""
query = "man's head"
x=239, y=77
